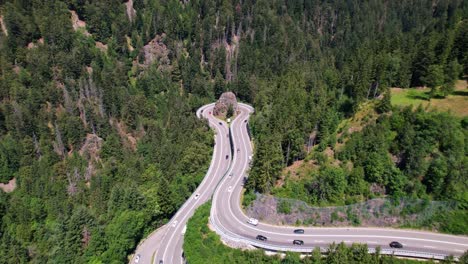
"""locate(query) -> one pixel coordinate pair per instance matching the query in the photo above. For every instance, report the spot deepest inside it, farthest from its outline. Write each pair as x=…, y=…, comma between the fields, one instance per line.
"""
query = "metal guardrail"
x=395, y=252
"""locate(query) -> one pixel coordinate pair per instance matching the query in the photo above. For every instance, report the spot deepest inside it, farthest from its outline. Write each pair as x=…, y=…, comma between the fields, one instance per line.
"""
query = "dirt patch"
x=397, y=90
x=362, y=118
x=296, y=171
x=8, y=187
x=378, y=212
x=293, y=170
x=461, y=85
x=455, y=104
x=101, y=46
x=329, y=153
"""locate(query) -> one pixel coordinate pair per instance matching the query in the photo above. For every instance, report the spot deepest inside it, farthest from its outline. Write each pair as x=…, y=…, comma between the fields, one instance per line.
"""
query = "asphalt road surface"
x=229, y=219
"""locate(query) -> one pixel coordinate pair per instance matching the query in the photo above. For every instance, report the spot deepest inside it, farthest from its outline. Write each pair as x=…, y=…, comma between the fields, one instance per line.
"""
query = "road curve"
x=166, y=245
x=231, y=223
x=224, y=181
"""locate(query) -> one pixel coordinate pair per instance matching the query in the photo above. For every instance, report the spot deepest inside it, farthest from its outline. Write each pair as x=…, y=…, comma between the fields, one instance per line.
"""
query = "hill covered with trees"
x=98, y=99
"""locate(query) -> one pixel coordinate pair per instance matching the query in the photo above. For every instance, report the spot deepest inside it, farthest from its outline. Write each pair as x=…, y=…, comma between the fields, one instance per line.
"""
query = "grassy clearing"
x=456, y=103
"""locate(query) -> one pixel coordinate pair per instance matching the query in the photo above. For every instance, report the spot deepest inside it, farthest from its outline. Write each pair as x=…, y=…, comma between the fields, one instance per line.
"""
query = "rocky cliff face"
x=222, y=105
x=155, y=51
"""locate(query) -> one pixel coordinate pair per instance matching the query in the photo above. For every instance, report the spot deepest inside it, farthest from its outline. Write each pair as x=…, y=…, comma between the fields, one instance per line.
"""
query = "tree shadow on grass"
x=461, y=93
x=419, y=96
x=438, y=96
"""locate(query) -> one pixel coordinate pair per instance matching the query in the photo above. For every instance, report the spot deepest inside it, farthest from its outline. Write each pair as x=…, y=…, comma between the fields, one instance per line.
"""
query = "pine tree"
x=385, y=105
x=165, y=197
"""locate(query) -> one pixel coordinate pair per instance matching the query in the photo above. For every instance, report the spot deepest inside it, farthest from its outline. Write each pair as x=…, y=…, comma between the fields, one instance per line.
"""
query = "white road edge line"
x=201, y=184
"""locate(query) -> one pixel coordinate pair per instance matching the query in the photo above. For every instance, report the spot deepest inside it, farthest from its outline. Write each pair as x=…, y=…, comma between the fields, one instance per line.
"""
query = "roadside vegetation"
x=201, y=245
x=97, y=109
x=361, y=142
x=405, y=155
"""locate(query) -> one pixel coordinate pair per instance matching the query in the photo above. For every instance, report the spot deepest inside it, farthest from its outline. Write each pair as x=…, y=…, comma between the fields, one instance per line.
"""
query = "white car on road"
x=253, y=221
x=137, y=259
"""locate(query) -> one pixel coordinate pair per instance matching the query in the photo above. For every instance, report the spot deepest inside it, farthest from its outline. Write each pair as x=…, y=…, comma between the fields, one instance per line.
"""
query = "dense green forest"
x=407, y=154
x=98, y=126
x=200, y=244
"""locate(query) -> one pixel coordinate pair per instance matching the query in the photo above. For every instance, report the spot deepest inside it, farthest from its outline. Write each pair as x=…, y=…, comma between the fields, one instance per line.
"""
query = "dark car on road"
x=396, y=244
x=220, y=123
x=298, y=242
x=299, y=231
x=262, y=238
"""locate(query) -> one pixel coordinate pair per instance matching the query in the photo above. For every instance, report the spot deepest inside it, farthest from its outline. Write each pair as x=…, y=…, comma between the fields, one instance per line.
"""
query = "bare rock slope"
x=222, y=105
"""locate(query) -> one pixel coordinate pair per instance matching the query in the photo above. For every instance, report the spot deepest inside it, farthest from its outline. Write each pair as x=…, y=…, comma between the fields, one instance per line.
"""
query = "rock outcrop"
x=156, y=51
x=131, y=12
x=78, y=24
x=222, y=105
x=8, y=187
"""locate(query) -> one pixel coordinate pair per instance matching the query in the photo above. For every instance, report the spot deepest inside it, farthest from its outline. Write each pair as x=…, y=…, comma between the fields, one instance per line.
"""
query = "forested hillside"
x=98, y=99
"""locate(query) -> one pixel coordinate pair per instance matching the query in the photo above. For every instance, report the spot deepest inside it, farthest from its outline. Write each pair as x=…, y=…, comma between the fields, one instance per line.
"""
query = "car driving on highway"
x=262, y=238
x=396, y=244
x=244, y=181
x=299, y=231
x=253, y=221
x=298, y=242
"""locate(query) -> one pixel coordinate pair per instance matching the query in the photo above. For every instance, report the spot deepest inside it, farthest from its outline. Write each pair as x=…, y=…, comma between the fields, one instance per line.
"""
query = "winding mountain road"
x=224, y=178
